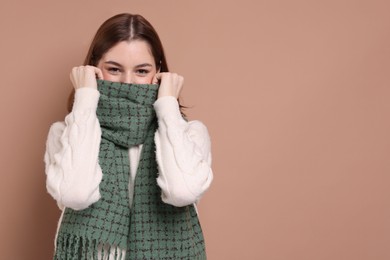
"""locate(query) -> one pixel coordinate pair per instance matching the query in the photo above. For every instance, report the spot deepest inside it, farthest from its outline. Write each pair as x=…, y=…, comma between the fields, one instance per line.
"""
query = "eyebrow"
x=138, y=66
x=144, y=65
x=113, y=63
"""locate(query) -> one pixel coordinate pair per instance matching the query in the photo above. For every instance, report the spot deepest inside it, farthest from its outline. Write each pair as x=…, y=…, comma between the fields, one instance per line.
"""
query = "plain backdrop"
x=295, y=95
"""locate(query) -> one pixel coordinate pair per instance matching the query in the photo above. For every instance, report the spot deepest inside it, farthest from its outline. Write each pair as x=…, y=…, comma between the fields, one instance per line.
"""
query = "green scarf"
x=150, y=229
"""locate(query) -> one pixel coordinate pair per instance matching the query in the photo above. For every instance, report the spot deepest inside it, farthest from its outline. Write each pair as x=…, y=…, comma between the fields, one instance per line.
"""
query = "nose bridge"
x=127, y=77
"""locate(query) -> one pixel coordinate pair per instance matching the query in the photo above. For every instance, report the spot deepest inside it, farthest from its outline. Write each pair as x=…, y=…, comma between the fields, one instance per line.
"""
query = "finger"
x=180, y=86
x=181, y=80
x=99, y=73
x=71, y=79
x=73, y=72
x=72, y=76
x=156, y=78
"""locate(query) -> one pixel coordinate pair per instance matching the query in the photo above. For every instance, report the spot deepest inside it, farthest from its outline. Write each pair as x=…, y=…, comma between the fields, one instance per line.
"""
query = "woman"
x=125, y=167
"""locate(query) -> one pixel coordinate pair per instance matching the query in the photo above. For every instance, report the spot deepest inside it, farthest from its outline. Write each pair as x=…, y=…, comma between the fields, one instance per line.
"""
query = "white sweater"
x=72, y=150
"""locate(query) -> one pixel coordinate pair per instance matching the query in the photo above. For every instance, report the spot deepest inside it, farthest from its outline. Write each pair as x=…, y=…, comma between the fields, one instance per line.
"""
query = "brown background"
x=295, y=95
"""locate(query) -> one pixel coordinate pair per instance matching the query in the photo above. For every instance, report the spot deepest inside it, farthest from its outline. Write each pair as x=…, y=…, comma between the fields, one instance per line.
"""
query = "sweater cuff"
x=86, y=98
x=165, y=106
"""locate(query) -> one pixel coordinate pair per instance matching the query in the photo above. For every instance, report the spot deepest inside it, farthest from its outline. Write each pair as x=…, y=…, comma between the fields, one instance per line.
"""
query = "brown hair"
x=124, y=27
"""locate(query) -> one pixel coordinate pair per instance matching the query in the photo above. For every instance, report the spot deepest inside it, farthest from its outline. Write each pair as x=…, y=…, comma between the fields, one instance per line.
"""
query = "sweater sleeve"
x=183, y=155
x=72, y=170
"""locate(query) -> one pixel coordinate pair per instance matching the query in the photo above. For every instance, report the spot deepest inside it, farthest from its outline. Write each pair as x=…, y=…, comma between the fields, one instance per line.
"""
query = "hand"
x=171, y=84
x=85, y=76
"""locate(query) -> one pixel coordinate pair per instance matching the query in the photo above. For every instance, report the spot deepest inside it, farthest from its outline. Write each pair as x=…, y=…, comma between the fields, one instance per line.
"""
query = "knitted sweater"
x=71, y=158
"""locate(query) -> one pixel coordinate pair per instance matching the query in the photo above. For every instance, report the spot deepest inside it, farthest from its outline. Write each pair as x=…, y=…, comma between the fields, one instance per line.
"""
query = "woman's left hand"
x=171, y=84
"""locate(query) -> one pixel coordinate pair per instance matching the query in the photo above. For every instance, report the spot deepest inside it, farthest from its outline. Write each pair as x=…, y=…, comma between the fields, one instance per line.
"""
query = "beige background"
x=295, y=95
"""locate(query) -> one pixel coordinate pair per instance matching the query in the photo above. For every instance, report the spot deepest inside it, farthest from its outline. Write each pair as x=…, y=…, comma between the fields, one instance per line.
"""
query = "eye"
x=142, y=72
x=113, y=70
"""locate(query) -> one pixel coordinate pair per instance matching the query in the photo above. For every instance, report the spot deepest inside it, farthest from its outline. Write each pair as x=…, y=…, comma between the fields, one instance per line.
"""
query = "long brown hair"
x=124, y=27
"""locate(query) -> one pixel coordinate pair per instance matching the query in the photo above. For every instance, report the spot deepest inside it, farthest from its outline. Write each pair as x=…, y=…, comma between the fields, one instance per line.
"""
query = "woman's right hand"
x=85, y=76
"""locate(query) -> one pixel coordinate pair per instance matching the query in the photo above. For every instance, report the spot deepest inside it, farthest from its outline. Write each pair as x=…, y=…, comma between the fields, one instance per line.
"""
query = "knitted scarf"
x=150, y=229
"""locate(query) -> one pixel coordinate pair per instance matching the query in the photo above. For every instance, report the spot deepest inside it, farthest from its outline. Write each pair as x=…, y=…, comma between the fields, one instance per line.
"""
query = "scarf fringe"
x=72, y=247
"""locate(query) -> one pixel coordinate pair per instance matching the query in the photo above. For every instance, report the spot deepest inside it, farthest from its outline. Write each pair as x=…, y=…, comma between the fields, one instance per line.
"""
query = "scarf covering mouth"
x=150, y=228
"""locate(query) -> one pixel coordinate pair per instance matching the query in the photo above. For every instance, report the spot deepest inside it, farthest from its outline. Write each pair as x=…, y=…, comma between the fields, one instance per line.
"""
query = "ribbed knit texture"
x=151, y=229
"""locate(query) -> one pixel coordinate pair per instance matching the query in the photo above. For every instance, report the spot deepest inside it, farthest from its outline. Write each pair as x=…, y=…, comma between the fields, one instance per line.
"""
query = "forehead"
x=135, y=51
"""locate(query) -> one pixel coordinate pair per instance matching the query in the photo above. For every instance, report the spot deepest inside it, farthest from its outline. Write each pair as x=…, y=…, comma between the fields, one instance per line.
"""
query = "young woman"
x=125, y=166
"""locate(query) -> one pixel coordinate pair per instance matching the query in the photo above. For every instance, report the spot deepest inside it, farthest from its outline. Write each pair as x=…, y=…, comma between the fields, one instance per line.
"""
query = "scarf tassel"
x=71, y=247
